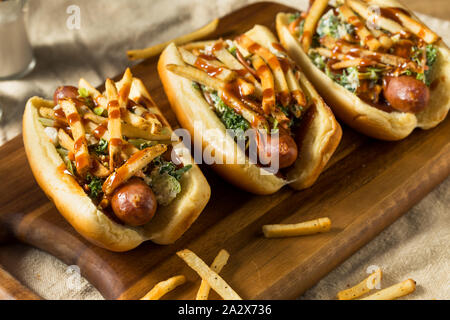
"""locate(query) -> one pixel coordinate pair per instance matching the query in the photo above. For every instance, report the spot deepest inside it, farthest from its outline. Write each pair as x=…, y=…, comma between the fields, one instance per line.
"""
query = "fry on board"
x=301, y=229
x=219, y=262
x=214, y=280
x=164, y=287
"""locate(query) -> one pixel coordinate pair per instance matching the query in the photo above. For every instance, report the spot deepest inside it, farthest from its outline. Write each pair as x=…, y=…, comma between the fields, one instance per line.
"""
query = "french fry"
x=65, y=140
x=366, y=37
x=362, y=288
x=267, y=82
x=246, y=88
x=196, y=75
x=296, y=90
x=219, y=262
x=164, y=287
x=316, y=11
x=416, y=27
x=278, y=74
x=396, y=291
x=363, y=9
x=385, y=41
x=137, y=162
x=212, y=278
x=220, y=71
x=134, y=132
x=384, y=58
x=155, y=50
x=350, y=63
x=301, y=229
x=233, y=64
x=82, y=158
x=114, y=123
x=67, y=143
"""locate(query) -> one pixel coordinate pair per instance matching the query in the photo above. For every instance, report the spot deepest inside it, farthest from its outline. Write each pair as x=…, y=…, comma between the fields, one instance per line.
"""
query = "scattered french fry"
x=155, y=50
x=396, y=291
x=219, y=262
x=301, y=229
x=164, y=287
x=316, y=11
x=212, y=278
x=362, y=288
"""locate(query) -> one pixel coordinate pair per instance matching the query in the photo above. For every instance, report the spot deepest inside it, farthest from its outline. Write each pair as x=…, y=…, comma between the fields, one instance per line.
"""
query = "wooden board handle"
x=11, y=289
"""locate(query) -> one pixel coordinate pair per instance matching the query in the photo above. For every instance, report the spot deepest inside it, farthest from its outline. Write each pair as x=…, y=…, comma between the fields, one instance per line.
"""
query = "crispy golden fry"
x=225, y=74
x=47, y=113
x=164, y=287
x=233, y=64
x=301, y=229
x=214, y=280
x=219, y=262
x=65, y=140
x=274, y=64
x=366, y=37
x=196, y=75
x=296, y=90
x=114, y=123
x=350, y=63
x=82, y=158
x=137, y=162
x=417, y=28
x=67, y=143
x=384, y=58
x=316, y=11
x=361, y=288
x=385, y=41
x=396, y=291
x=246, y=88
x=155, y=50
x=267, y=82
x=363, y=9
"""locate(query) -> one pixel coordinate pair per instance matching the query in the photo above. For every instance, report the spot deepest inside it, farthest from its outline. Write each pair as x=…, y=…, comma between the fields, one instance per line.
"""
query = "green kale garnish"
x=170, y=168
x=349, y=79
x=95, y=186
x=431, y=52
x=228, y=116
x=101, y=148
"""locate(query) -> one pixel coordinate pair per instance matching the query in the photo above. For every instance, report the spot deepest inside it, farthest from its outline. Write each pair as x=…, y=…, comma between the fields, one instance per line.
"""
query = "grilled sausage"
x=406, y=94
x=134, y=203
x=65, y=92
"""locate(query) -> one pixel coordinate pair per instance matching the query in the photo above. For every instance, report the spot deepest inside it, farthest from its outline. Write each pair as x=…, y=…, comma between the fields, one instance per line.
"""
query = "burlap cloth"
x=416, y=246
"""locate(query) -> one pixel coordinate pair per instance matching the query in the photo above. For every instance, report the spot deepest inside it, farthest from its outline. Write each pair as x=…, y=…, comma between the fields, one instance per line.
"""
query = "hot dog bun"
x=360, y=115
x=169, y=223
x=190, y=107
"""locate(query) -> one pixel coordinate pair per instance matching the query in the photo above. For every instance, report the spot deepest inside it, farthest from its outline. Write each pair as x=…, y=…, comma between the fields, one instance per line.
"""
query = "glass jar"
x=16, y=54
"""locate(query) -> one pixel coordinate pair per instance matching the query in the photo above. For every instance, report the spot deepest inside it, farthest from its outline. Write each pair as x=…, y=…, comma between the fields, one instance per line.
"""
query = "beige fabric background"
x=416, y=246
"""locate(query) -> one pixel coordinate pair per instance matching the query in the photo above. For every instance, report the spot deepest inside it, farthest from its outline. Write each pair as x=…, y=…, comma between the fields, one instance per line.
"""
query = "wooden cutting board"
x=368, y=185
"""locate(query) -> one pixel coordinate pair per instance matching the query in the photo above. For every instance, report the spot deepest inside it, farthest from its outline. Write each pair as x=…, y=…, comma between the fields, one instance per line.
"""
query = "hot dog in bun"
x=230, y=87
x=108, y=163
x=380, y=69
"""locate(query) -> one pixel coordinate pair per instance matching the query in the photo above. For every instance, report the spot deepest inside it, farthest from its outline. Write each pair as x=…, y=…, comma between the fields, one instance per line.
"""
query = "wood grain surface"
x=368, y=185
